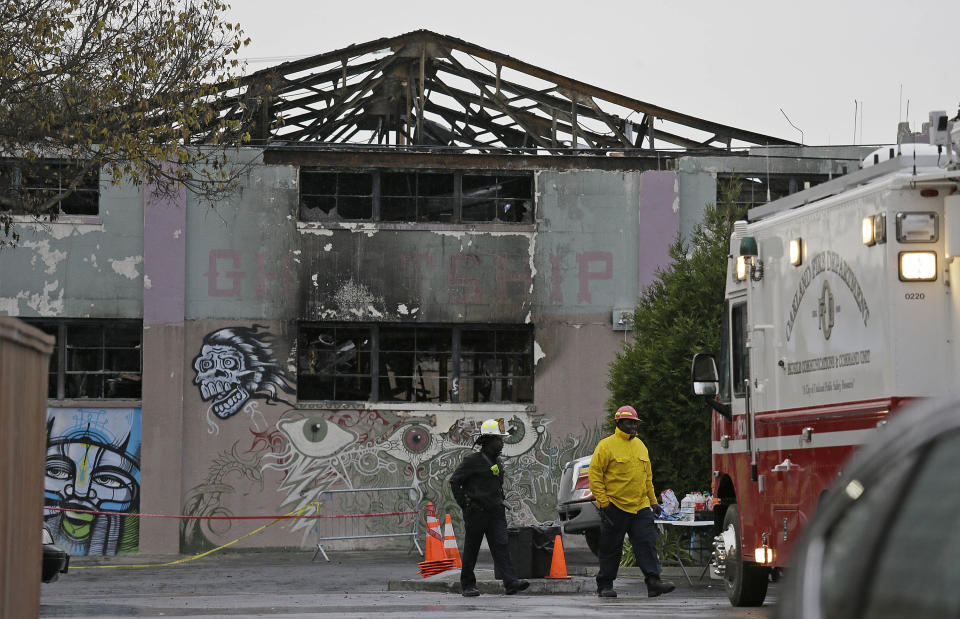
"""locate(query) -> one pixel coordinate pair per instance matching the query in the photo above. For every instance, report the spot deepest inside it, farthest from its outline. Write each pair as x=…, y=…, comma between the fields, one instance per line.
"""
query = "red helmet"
x=626, y=412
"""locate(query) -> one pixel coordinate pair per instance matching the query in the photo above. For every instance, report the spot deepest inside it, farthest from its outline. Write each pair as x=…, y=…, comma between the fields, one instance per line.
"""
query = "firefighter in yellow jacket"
x=621, y=480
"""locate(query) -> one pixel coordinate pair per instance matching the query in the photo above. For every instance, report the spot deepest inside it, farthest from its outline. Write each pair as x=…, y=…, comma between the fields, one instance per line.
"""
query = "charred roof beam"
x=549, y=125
x=496, y=99
x=481, y=117
x=368, y=83
x=317, y=93
x=550, y=104
x=507, y=135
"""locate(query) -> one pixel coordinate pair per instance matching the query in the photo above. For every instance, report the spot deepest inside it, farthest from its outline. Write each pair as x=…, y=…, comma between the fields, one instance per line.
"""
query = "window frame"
x=739, y=352
x=456, y=198
x=89, y=190
x=455, y=351
x=725, y=355
x=60, y=354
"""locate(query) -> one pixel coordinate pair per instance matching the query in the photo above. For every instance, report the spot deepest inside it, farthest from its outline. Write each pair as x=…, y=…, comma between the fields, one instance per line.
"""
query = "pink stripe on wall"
x=659, y=223
x=164, y=258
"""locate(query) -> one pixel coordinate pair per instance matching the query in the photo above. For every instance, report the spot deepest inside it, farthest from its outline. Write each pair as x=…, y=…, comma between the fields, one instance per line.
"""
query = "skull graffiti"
x=221, y=373
x=236, y=364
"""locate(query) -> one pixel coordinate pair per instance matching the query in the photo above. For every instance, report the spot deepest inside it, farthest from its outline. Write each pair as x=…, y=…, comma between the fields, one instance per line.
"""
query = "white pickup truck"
x=576, y=508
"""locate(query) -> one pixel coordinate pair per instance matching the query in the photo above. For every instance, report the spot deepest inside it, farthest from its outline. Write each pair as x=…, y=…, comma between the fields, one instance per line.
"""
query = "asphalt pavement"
x=353, y=584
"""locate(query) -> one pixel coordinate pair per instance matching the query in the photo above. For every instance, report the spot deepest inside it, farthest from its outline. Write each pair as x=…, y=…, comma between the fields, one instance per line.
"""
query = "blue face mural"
x=93, y=464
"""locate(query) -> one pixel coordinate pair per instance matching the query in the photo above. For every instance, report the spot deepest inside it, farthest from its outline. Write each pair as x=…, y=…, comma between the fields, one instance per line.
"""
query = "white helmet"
x=493, y=427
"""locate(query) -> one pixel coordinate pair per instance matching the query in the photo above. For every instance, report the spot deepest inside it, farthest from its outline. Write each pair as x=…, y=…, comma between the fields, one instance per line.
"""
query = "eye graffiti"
x=236, y=364
x=416, y=439
x=329, y=449
x=316, y=437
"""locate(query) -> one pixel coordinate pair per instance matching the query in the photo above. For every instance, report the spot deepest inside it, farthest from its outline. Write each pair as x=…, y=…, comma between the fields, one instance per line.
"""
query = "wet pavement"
x=352, y=584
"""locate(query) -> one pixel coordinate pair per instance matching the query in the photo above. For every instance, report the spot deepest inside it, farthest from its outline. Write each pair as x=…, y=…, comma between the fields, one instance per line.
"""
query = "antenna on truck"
x=767, y=158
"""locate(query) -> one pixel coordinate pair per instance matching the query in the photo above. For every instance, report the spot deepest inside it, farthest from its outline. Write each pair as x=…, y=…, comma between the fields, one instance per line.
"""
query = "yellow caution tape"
x=297, y=512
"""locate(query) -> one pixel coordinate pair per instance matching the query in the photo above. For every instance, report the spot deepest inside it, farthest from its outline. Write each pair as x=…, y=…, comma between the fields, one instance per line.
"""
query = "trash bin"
x=531, y=550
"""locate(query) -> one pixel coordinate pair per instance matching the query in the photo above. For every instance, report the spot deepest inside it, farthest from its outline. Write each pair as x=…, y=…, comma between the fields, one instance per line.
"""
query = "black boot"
x=516, y=586
x=656, y=587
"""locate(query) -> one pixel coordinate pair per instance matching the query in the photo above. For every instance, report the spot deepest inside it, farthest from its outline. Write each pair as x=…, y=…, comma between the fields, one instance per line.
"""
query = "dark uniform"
x=478, y=489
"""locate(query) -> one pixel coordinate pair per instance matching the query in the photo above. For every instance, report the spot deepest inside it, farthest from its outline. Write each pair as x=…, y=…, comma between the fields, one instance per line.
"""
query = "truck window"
x=723, y=361
x=740, y=355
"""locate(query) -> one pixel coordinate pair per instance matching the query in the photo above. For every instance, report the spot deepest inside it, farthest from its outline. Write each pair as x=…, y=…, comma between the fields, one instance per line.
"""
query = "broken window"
x=334, y=196
x=333, y=363
x=417, y=196
x=496, y=365
x=405, y=196
x=499, y=197
x=94, y=359
x=35, y=182
x=413, y=363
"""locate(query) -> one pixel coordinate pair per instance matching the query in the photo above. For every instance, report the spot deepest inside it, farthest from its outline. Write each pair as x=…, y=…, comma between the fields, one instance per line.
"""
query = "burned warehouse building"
x=427, y=234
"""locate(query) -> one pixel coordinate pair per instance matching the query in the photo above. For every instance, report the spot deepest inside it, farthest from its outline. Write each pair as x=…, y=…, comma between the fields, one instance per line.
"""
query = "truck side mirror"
x=706, y=381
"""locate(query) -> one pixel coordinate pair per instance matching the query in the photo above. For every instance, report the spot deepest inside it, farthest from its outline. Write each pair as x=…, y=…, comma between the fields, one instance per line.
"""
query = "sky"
x=842, y=72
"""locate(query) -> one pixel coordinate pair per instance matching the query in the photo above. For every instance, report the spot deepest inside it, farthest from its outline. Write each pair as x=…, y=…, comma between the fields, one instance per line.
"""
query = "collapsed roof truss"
x=426, y=89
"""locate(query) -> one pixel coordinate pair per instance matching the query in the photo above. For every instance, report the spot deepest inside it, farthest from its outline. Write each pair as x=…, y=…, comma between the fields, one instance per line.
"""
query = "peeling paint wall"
x=247, y=271
x=78, y=266
x=241, y=253
x=601, y=237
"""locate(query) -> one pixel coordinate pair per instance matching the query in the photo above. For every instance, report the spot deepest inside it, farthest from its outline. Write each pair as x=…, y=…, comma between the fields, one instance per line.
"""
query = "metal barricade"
x=358, y=513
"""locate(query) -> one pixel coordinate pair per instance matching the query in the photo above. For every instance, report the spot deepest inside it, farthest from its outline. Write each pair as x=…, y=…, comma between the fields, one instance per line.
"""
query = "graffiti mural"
x=318, y=450
x=228, y=470
x=93, y=464
x=236, y=364
x=286, y=458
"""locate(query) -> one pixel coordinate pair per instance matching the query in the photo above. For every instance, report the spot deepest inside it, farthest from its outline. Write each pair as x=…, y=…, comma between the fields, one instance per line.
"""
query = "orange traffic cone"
x=450, y=543
x=434, y=540
x=558, y=567
x=436, y=559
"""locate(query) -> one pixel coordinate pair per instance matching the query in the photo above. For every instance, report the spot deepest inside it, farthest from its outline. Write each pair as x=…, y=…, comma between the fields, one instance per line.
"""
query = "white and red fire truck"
x=842, y=305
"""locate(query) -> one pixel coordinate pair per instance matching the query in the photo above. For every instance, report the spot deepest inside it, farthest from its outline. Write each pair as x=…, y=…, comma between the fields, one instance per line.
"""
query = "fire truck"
x=842, y=305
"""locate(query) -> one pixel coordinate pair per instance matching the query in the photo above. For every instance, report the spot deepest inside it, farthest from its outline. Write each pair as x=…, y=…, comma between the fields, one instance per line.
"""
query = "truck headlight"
x=918, y=266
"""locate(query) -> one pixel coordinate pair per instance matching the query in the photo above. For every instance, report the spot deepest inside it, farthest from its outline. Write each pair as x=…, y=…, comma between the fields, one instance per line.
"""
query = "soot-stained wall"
x=223, y=431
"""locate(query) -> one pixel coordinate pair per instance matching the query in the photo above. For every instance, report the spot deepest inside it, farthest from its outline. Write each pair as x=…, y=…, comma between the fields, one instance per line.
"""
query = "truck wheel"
x=746, y=582
x=593, y=540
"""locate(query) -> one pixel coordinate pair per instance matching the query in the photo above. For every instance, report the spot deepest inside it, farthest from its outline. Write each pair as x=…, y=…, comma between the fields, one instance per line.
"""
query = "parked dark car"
x=575, y=505
x=56, y=561
x=885, y=539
